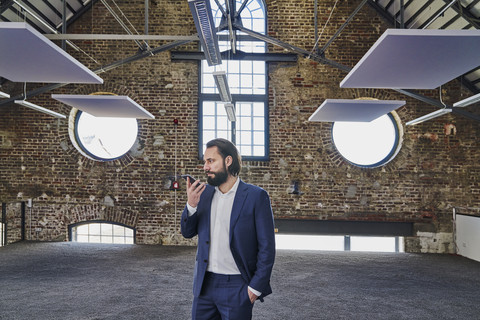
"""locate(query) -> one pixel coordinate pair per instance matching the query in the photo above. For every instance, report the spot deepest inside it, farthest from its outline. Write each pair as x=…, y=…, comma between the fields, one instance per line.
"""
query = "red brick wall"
x=437, y=169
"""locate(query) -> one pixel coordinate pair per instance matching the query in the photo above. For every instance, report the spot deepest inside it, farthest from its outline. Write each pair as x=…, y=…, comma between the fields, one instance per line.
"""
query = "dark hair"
x=227, y=148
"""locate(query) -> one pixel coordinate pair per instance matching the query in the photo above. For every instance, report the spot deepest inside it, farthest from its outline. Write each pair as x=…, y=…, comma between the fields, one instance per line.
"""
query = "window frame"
x=264, y=98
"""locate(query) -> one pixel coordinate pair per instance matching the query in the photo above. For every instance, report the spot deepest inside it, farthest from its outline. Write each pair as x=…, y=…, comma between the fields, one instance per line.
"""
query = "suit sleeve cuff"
x=257, y=293
x=191, y=210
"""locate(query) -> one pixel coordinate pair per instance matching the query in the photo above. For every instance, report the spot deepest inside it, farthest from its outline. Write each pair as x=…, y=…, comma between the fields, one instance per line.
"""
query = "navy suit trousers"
x=222, y=297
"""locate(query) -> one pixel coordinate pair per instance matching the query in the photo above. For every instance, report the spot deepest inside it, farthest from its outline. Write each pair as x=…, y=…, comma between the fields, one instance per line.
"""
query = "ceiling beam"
x=87, y=36
x=6, y=5
x=238, y=55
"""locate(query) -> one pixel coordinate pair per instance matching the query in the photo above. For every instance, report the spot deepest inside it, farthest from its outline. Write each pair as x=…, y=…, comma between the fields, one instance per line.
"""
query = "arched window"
x=101, y=232
x=247, y=80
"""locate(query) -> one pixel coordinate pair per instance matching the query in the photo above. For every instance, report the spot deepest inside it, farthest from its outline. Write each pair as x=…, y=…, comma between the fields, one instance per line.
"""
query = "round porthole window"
x=104, y=138
x=368, y=144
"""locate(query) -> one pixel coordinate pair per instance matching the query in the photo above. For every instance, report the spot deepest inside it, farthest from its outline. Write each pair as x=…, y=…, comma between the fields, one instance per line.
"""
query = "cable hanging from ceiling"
x=323, y=29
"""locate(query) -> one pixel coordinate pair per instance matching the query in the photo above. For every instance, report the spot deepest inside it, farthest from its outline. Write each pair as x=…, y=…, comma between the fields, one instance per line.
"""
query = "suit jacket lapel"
x=240, y=197
x=209, y=192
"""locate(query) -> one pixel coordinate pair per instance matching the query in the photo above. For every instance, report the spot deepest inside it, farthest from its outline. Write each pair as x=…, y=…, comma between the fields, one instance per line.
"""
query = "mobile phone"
x=185, y=176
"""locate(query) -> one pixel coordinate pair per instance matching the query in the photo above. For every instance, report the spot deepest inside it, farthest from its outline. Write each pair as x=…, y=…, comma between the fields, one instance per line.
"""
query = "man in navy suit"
x=236, y=239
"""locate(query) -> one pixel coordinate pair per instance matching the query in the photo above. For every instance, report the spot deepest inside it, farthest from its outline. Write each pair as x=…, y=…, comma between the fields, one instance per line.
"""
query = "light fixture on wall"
x=429, y=116
x=202, y=16
x=295, y=188
x=38, y=108
x=4, y=95
x=230, y=109
x=222, y=85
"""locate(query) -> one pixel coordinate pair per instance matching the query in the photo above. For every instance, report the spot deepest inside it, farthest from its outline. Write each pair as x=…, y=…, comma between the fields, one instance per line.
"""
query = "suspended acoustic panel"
x=28, y=56
x=416, y=59
x=105, y=105
x=337, y=110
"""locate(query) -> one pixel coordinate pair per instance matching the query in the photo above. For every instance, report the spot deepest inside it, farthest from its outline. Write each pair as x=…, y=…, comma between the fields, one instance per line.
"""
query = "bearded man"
x=236, y=239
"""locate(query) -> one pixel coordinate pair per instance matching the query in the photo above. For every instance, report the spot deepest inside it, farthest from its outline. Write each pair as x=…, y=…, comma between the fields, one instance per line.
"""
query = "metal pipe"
x=315, y=22
x=64, y=23
x=3, y=239
x=289, y=47
x=146, y=20
x=402, y=14
x=124, y=26
x=82, y=36
x=23, y=221
x=439, y=14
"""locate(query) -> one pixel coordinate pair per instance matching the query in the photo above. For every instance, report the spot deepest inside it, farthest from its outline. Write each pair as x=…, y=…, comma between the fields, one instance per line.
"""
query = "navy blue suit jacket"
x=252, y=236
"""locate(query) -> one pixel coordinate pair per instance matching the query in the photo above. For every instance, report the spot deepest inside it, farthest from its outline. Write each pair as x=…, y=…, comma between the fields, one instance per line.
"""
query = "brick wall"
x=436, y=169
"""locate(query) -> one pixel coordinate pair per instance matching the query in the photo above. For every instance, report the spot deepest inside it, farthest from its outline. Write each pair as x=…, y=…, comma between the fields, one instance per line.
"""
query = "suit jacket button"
x=185, y=220
x=205, y=260
x=208, y=242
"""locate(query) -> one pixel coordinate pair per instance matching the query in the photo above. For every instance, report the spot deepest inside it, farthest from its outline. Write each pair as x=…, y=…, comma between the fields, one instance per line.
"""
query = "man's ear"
x=228, y=161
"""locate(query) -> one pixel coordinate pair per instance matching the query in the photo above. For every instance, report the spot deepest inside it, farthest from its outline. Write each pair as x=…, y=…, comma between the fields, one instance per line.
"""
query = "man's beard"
x=218, y=177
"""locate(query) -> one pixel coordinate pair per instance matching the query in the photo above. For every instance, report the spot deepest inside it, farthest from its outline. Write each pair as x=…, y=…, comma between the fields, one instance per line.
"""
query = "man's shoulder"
x=250, y=187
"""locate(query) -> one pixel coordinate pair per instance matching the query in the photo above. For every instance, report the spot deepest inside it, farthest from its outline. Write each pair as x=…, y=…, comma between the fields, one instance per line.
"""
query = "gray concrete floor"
x=91, y=281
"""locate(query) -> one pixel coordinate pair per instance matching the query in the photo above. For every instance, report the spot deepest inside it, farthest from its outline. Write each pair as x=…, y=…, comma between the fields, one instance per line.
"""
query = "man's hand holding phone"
x=194, y=189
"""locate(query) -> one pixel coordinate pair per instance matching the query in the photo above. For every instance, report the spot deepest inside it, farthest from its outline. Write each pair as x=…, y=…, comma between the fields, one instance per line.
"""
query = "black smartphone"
x=185, y=176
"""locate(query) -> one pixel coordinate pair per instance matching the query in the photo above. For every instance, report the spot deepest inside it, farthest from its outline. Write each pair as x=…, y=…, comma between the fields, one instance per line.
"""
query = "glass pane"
x=245, y=109
x=223, y=134
x=245, y=123
x=259, y=138
x=259, y=81
x=222, y=123
x=118, y=230
x=128, y=232
x=234, y=82
x=233, y=66
x=259, y=67
x=208, y=135
x=258, y=109
x=246, y=66
x=246, y=150
x=306, y=242
x=247, y=81
x=120, y=240
x=209, y=123
x=82, y=229
x=94, y=229
x=107, y=239
x=372, y=244
x=258, y=25
x=82, y=238
x=245, y=137
x=94, y=239
x=208, y=108
x=106, y=229
x=258, y=123
x=258, y=151
x=221, y=109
